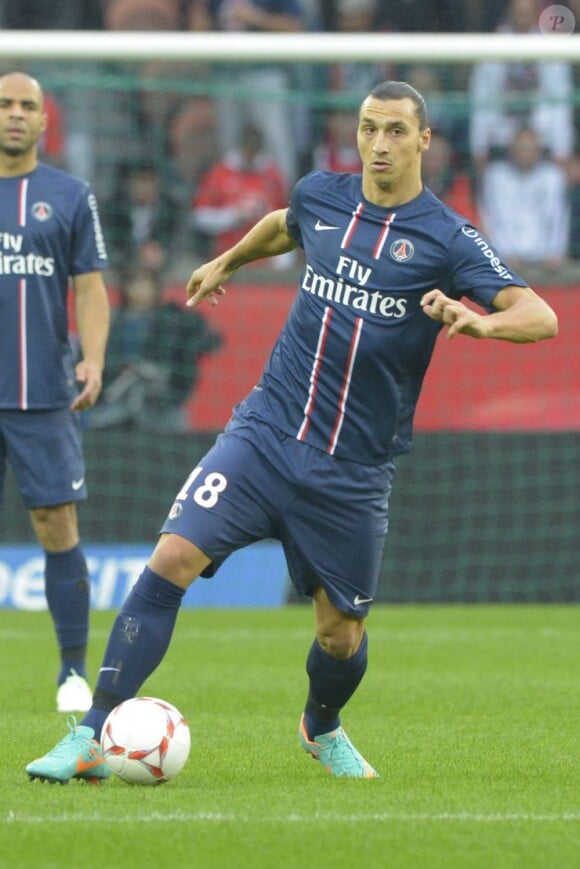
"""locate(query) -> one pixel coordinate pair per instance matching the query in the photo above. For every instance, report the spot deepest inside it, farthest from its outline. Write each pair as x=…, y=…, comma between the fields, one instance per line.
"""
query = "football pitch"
x=470, y=714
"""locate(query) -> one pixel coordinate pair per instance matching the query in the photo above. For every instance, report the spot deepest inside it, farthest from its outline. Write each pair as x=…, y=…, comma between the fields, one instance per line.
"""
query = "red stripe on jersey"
x=22, y=362
x=383, y=236
x=345, y=385
x=22, y=195
x=352, y=225
x=315, y=374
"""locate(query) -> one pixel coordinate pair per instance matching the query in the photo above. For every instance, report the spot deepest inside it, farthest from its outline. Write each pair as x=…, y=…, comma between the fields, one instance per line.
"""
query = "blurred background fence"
x=185, y=148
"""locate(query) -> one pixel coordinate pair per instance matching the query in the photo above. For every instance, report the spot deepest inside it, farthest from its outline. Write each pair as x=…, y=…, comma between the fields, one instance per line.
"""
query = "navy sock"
x=67, y=590
x=137, y=643
x=332, y=684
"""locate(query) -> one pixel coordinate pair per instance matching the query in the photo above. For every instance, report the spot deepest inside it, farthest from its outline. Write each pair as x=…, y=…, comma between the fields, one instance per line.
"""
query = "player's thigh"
x=44, y=449
x=230, y=499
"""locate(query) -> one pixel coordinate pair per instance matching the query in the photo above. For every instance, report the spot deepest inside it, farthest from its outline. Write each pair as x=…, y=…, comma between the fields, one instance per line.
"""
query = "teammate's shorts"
x=44, y=450
x=330, y=515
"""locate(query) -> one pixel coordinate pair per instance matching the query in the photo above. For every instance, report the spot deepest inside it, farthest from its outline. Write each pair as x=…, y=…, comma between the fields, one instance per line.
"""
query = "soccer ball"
x=146, y=741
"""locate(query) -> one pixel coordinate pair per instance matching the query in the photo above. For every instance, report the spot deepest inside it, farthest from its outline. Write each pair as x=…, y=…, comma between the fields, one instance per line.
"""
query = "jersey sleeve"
x=293, y=213
x=477, y=272
x=88, y=250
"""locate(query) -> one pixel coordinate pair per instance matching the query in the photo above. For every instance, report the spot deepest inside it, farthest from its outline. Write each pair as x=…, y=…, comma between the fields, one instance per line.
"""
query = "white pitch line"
x=221, y=818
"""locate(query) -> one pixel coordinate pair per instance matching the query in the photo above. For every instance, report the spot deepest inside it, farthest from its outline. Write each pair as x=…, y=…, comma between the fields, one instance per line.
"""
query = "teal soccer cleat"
x=78, y=755
x=336, y=753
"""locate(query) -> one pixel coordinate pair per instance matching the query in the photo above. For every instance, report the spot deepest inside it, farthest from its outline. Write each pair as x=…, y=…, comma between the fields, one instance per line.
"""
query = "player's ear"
x=425, y=139
x=43, y=122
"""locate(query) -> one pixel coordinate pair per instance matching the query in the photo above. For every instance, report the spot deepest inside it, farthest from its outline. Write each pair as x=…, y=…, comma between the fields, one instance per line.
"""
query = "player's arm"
x=269, y=237
x=92, y=312
x=521, y=316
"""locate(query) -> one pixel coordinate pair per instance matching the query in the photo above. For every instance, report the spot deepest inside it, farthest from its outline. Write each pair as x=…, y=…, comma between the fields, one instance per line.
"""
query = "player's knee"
x=342, y=640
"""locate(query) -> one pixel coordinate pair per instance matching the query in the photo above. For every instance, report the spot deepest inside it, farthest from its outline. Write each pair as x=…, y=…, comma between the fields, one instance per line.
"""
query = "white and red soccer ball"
x=146, y=741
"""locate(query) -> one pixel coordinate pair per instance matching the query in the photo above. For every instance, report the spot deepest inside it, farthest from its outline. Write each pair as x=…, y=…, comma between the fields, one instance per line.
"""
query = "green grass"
x=471, y=715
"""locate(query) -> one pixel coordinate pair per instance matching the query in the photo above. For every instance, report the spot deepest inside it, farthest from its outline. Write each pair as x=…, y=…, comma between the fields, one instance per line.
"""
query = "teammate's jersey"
x=49, y=230
x=346, y=371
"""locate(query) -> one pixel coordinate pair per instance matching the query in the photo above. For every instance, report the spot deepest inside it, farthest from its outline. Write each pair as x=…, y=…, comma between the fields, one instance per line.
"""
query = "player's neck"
x=389, y=196
x=22, y=164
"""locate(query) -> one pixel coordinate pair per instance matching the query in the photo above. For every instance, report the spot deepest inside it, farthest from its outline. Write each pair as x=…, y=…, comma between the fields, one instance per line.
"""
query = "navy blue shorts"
x=44, y=450
x=330, y=515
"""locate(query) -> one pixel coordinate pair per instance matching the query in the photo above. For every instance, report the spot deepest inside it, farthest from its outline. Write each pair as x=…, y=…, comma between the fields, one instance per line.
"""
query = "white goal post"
x=289, y=47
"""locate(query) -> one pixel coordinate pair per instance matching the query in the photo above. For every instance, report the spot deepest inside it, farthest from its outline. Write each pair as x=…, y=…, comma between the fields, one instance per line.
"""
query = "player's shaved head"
x=21, y=81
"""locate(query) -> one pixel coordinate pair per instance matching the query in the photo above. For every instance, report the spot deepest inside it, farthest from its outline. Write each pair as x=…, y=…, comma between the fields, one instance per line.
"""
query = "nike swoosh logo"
x=318, y=226
x=96, y=760
x=360, y=600
x=76, y=484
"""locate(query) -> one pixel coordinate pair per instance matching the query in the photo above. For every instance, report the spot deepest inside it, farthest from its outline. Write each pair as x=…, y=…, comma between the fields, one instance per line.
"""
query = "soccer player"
x=49, y=232
x=308, y=456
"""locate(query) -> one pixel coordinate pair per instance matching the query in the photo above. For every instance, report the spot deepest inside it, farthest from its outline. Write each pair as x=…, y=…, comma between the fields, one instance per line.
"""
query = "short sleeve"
x=477, y=272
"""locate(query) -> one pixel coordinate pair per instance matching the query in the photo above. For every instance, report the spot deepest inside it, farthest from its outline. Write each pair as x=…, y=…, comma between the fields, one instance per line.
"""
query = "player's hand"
x=90, y=377
x=455, y=315
x=206, y=283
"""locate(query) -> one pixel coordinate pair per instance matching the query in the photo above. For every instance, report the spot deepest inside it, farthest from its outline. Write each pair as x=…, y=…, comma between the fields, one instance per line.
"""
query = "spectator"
x=450, y=184
x=48, y=15
x=237, y=190
x=506, y=95
x=142, y=218
x=574, y=192
x=524, y=205
x=446, y=116
x=52, y=144
x=415, y=16
x=153, y=357
x=337, y=151
x=255, y=92
x=352, y=77
x=156, y=15
x=192, y=141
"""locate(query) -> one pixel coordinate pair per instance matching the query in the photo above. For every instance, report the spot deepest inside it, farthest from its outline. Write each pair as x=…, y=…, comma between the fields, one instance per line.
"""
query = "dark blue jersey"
x=49, y=230
x=345, y=373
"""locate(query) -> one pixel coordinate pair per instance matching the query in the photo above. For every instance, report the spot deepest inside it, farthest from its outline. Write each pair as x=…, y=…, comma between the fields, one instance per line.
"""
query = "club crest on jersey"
x=41, y=211
x=402, y=250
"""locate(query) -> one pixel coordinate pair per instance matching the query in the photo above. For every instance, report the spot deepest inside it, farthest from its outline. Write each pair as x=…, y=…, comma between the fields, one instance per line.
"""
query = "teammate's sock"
x=67, y=590
x=332, y=684
x=137, y=643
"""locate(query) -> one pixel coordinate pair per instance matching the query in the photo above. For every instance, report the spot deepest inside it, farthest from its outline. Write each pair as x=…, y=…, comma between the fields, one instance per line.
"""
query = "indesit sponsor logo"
x=486, y=250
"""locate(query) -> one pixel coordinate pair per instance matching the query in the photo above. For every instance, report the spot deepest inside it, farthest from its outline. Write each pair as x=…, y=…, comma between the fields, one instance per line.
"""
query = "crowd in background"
x=183, y=171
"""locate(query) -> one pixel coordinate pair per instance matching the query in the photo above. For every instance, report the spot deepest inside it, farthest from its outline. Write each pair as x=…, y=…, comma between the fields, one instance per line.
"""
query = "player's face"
x=22, y=119
x=390, y=145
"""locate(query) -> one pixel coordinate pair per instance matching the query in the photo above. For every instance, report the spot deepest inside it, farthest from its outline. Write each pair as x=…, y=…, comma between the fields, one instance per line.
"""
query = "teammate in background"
x=49, y=230
x=308, y=456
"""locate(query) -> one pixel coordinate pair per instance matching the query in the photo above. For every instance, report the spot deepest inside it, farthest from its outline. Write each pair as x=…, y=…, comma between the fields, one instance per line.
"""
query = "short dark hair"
x=401, y=90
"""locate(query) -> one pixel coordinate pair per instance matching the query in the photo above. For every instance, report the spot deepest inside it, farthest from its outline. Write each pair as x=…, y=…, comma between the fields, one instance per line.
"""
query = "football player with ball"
x=308, y=456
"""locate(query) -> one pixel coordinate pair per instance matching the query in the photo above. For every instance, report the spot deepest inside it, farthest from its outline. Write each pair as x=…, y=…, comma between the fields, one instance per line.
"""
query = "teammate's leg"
x=67, y=589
